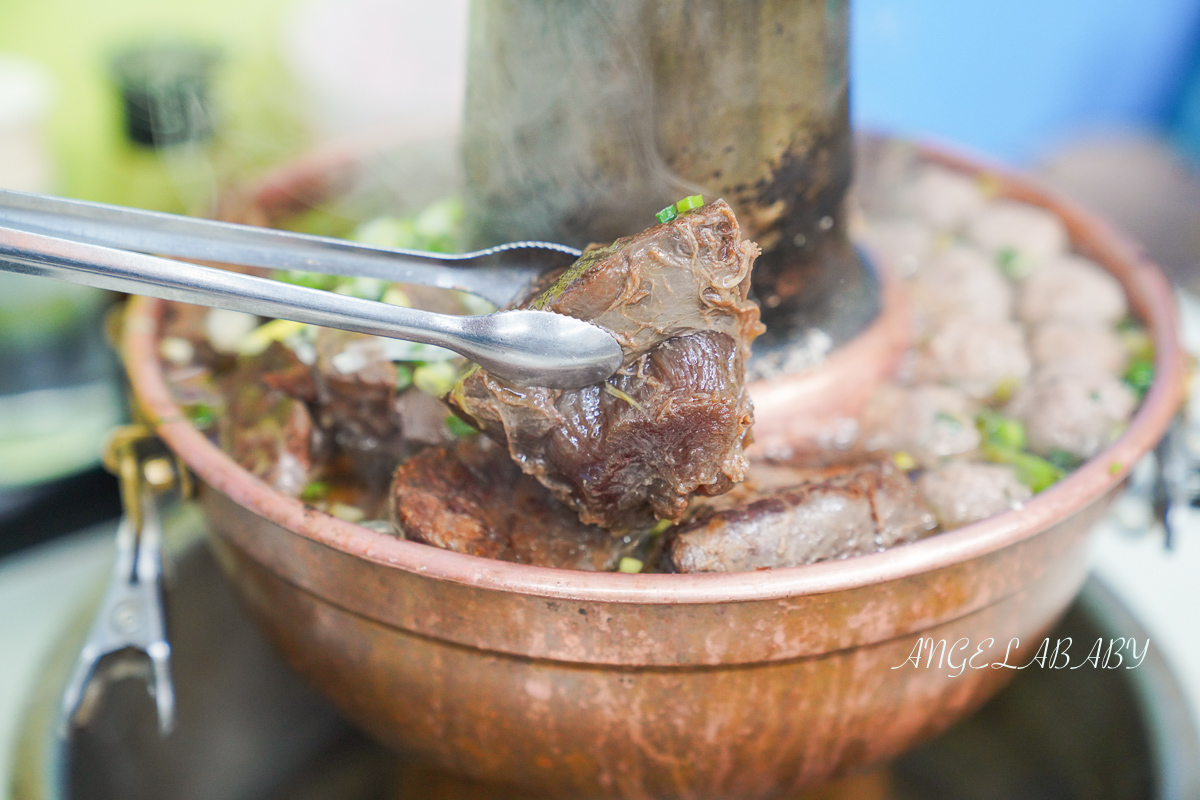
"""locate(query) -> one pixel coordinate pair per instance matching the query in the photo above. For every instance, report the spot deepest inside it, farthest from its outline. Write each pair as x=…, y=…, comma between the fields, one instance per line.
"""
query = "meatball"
x=944, y=198
x=907, y=244
x=1071, y=289
x=1075, y=408
x=961, y=281
x=962, y=492
x=1033, y=235
x=981, y=357
x=1067, y=342
x=927, y=422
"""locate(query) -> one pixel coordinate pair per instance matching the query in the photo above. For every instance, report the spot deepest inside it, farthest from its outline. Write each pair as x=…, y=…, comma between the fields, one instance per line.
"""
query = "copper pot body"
x=743, y=685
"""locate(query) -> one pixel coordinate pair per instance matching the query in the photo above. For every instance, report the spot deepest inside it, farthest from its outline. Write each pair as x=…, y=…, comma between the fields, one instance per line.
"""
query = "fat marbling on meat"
x=674, y=420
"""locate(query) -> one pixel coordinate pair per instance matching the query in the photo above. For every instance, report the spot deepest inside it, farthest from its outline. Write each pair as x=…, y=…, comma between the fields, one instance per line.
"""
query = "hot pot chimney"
x=584, y=119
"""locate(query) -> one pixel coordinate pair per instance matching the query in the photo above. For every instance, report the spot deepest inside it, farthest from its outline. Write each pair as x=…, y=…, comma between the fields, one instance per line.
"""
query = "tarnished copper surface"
x=600, y=684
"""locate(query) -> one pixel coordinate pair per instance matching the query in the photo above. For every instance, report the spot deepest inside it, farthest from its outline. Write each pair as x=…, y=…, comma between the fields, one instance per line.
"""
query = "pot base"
x=292, y=745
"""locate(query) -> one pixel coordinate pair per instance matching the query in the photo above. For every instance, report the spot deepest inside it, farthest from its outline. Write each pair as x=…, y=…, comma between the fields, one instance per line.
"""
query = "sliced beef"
x=269, y=433
x=828, y=514
x=471, y=498
x=356, y=386
x=675, y=419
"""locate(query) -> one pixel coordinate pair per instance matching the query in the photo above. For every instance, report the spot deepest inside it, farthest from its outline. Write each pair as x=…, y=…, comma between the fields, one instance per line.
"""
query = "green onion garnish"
x=1000, y=431
x=667, y=214
x=951, y=422
x=201, y=415
x=1140, y=375
x=1035, y=472
x=1009, y=262
x=689, y=202
x=404, y=377
x=660, y=527
x=314, y=492
x=620, y=395
x=630, y=566
x=436, y=378
x=458, y=426
x=1063, y=460
x=311, y=280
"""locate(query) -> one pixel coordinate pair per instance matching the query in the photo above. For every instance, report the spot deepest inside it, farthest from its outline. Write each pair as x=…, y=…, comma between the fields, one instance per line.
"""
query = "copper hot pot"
x=743, y=685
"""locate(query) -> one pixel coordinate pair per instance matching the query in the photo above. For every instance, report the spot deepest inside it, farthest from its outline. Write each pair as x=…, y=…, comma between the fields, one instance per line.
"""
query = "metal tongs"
x=116, y=248
x=128, y=635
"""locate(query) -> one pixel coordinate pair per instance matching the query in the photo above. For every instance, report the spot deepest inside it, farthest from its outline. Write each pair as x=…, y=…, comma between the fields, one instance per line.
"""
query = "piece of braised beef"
x=824, y=514
x=265, y=430
x=675, y=419
x=471, y=498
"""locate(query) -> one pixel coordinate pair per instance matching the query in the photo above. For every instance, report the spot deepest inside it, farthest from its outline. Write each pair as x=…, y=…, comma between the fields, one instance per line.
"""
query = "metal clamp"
x=130, y=624
x=1165, y=485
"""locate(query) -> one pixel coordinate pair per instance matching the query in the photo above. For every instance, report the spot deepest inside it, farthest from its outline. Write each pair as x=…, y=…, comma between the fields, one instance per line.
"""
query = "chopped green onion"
x=201, y=415
x=949, y=420
x=404, y=377
x=1064, y=460
x=1138, y=343
x=1005, y=389
x=347, y=512
x=261, y=337
x=311, y=280
x=395, y=296
x=1000, y=431
x=458, y=426
x=1009, y=262
x=661, y=527
x=365, y=288
x=435, y=378
x=667, y=214
x=437, y=226
x=689, y=202
x=1115, y=468
x=388, y=232
x=630, y=566
x=904, y=460
x=314, y=492
x=1140, y=375
x=474, y=304
x=1035, y=472
x=620, y=395
x=434, y=228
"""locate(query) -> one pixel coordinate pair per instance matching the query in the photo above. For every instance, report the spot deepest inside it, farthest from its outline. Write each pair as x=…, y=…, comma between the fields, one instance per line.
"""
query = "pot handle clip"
x=128, y=634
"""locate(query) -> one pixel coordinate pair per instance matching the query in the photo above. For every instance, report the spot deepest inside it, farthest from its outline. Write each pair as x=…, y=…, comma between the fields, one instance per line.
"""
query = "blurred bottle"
x=58, y=390
x=166, y=162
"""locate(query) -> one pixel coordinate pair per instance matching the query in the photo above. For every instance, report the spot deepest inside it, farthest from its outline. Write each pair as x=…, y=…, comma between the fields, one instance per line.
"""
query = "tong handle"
x=524, y=346
x=499, y=274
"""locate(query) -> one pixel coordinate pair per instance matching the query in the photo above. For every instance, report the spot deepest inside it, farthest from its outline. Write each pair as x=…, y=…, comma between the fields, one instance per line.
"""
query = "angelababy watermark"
x=1116, y=653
